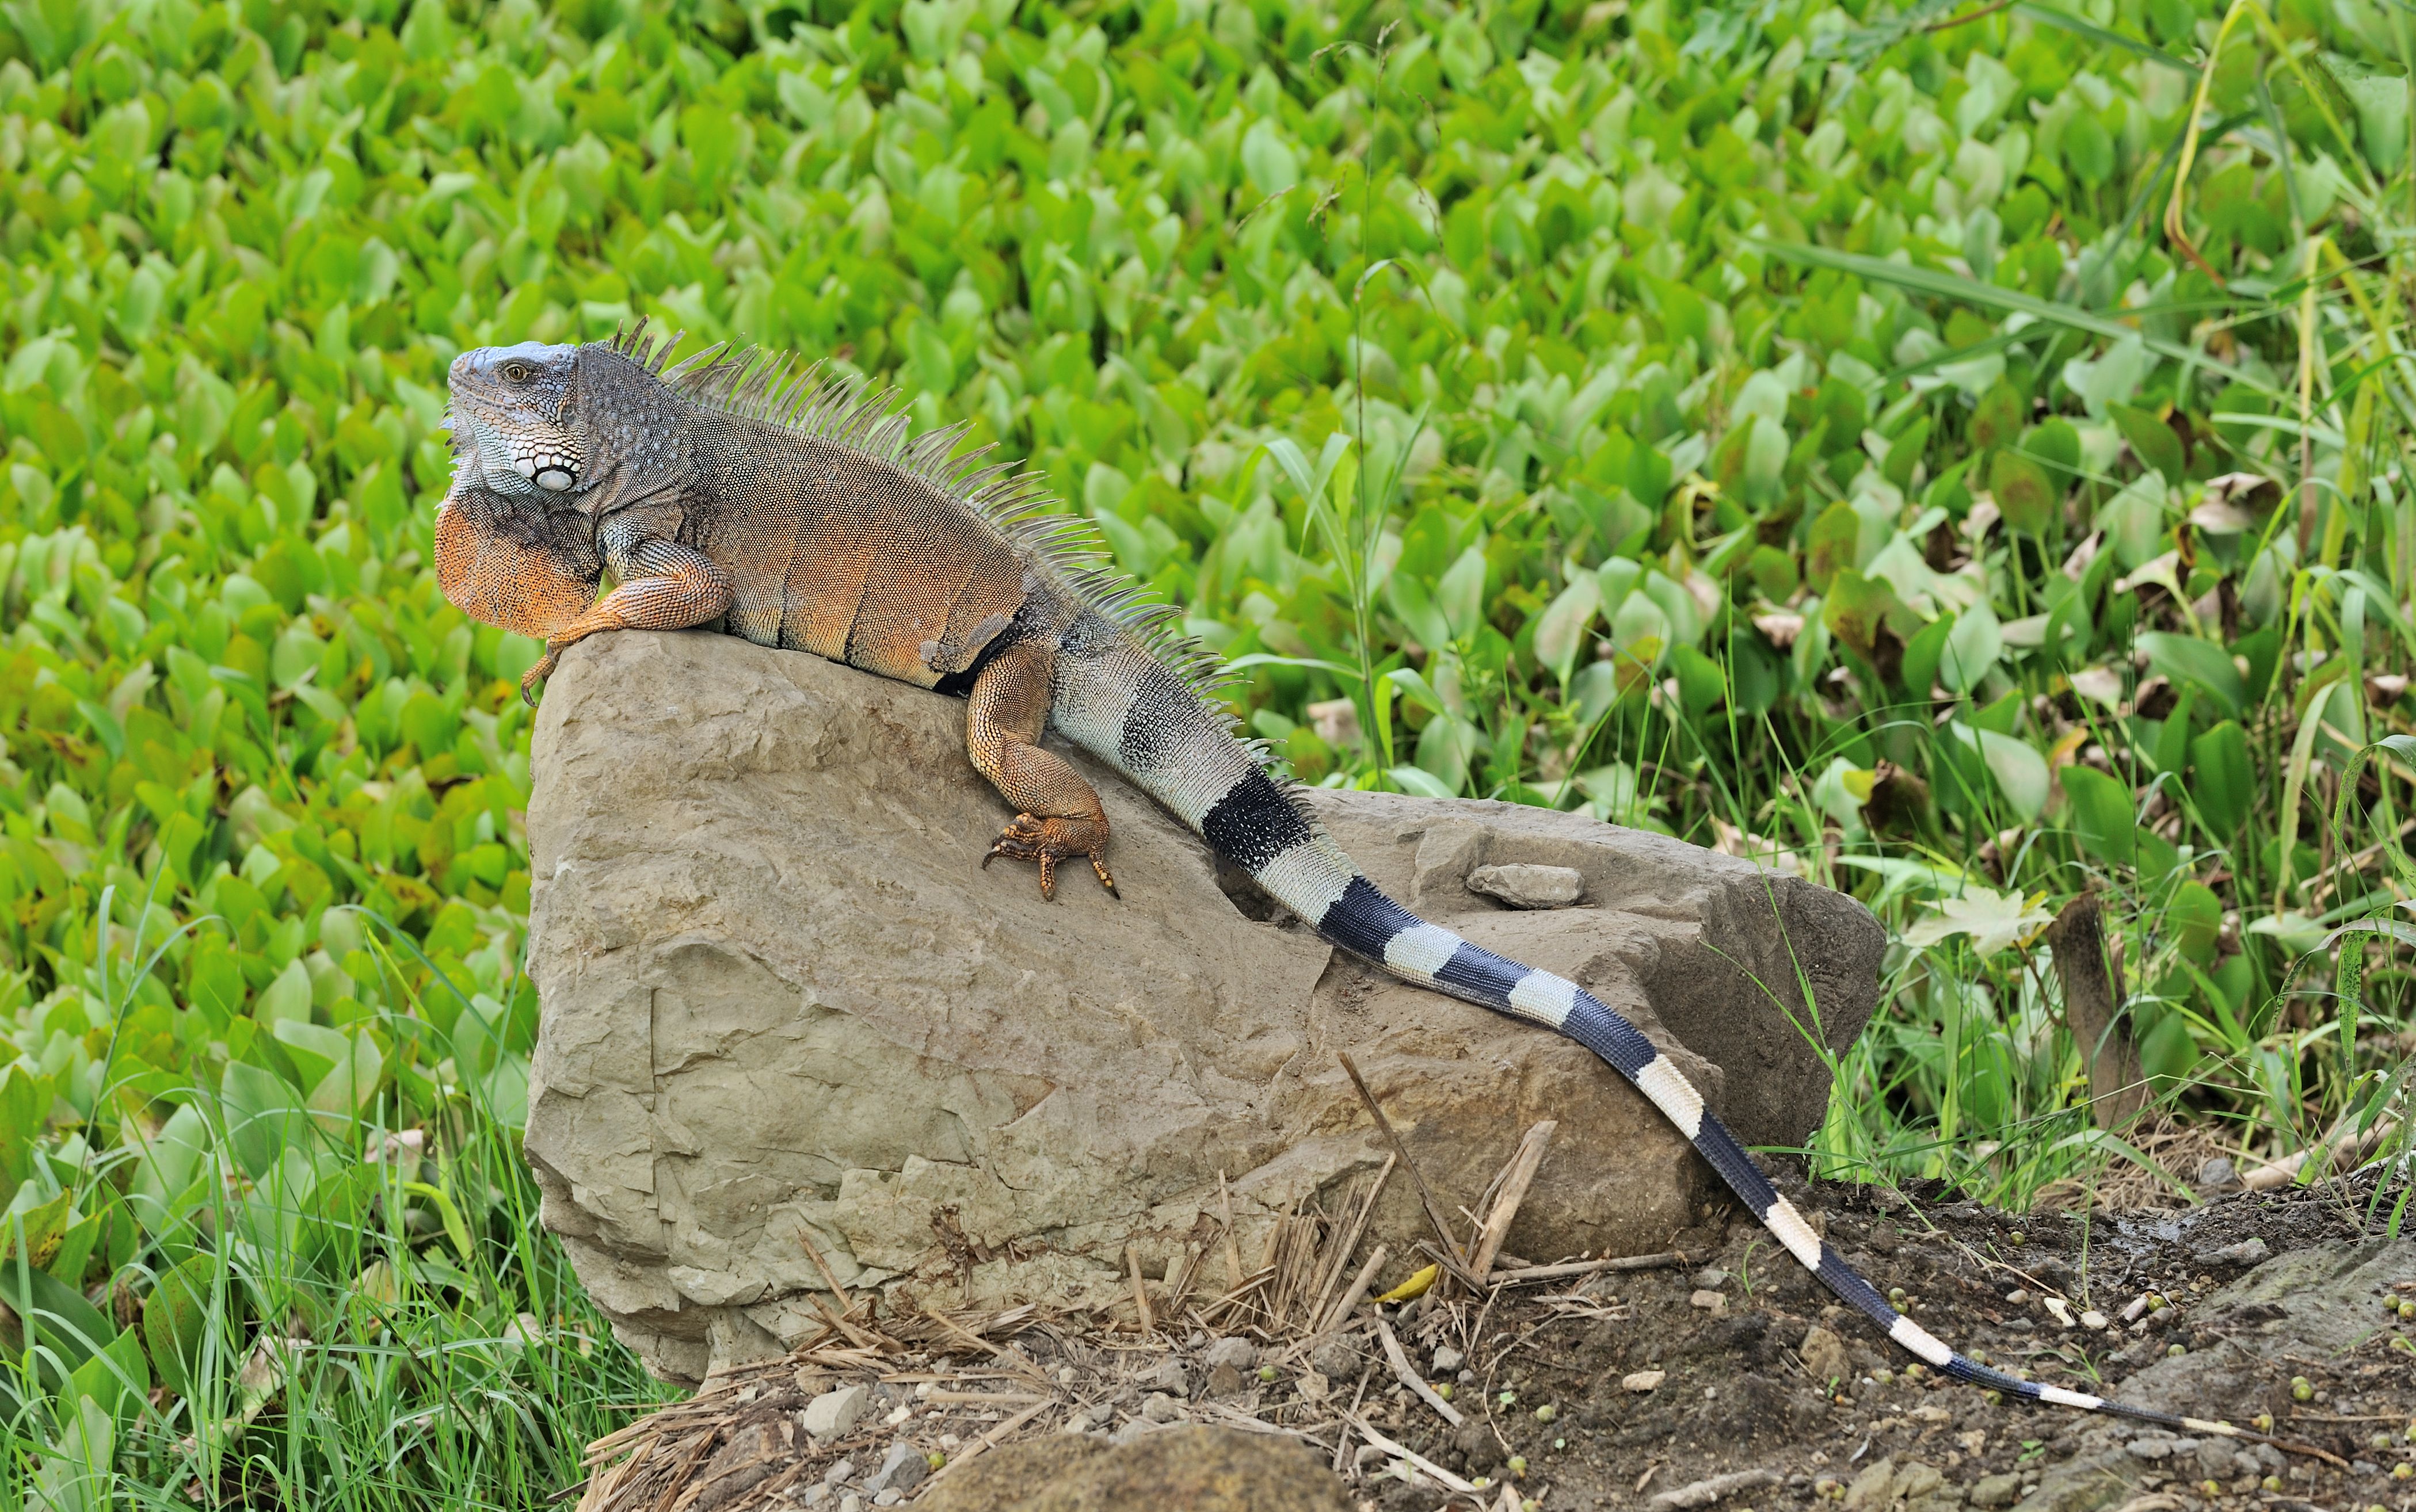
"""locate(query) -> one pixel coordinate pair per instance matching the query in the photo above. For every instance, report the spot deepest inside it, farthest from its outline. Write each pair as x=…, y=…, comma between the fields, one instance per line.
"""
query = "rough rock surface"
x=783, y=1004
x=1178, y=1470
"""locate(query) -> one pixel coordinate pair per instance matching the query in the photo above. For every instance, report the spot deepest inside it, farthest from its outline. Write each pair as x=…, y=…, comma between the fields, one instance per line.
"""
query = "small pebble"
x=1448, y=1360
x=1642, y=1380
x=835, y=1411
x=903, y=1469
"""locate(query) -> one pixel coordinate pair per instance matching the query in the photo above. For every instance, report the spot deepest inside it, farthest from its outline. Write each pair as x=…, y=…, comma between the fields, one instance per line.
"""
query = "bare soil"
x=1737, y=1395
x=1729, y=1380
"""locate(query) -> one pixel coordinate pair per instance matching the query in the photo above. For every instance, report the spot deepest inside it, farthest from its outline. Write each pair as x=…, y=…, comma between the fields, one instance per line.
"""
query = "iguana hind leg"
x=1059, y=814
x=664, y=586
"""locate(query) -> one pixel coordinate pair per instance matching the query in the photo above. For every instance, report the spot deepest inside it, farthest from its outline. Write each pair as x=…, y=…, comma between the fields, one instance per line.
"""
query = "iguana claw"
x=1050, y=840
x=535, y=675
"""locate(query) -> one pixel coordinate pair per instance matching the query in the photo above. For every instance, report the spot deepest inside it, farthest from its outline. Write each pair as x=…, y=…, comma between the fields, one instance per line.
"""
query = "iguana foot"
x=535, y=675
x=1051, y=839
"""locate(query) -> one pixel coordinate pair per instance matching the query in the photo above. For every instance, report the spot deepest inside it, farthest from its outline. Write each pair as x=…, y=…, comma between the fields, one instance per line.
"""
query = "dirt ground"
x=2260, y=1289
x=1729, y=1380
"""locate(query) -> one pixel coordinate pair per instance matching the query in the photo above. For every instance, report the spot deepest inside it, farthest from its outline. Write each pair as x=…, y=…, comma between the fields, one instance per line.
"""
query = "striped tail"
x=1348, y=912
x=1120, y=704
x=1359, y=919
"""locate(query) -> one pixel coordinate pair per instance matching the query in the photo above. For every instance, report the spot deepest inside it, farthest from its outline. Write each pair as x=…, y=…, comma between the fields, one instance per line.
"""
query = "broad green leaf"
x=2102, y=816
x=1922, y=653
x=2201, y=664
x=2222, y=782
x=2019, y=770
x=1703, y=682
x=2025, y=495
x=1559, y=634
x=1971, y=649
x=2196, y=915
x=1460, y=594
x=2152, y=440
x=263, y=1118
x=176, y=1319
x=286, y=998
x=348, y=1085
x=1418, y=783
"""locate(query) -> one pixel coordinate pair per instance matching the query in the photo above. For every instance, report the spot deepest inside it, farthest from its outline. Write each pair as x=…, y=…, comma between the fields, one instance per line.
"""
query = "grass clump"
x=1960, y=457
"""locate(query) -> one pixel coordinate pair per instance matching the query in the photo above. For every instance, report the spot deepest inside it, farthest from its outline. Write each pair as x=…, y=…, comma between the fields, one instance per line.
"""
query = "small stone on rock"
x=1824, y=1356
x=1642, y=1380
x=1225, y=1381
x=903, y=1469
x=835, y=1411
x=1874, y=1488
x=1167, y=1375
x=1335, y=1360
x=2216, y=1174
x=1714, y=1303
x=888, y=1498
x=814, y=1495
x=1523, y=885
x=2250, y=1252
x=1711, y=1279
x=844, y=1470
x=1238, y=1353
x=2092, y=1319
x=1991, y=1492
x=2151, y=1446
x=1161, y=1408
x=1447, y=1359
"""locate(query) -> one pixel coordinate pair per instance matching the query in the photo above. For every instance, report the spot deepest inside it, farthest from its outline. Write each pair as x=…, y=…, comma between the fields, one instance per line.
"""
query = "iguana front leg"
x=664, y=586
x=1059, y=813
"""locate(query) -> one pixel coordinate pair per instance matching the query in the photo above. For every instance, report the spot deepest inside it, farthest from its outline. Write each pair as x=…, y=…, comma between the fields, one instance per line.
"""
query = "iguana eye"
x=515, y=372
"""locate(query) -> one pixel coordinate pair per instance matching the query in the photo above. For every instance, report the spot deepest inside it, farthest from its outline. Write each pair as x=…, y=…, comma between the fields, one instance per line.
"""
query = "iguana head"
x=515, y=419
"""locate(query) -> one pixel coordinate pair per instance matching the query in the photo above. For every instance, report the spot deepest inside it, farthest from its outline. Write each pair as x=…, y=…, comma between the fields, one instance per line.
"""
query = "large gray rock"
x=783, y=1002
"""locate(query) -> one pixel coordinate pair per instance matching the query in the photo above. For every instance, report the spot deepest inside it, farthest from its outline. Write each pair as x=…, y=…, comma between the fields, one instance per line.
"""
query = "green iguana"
x=801, y=513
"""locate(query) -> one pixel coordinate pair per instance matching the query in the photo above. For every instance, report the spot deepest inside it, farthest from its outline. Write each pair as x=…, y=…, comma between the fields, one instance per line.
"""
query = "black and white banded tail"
x=1150, y=727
